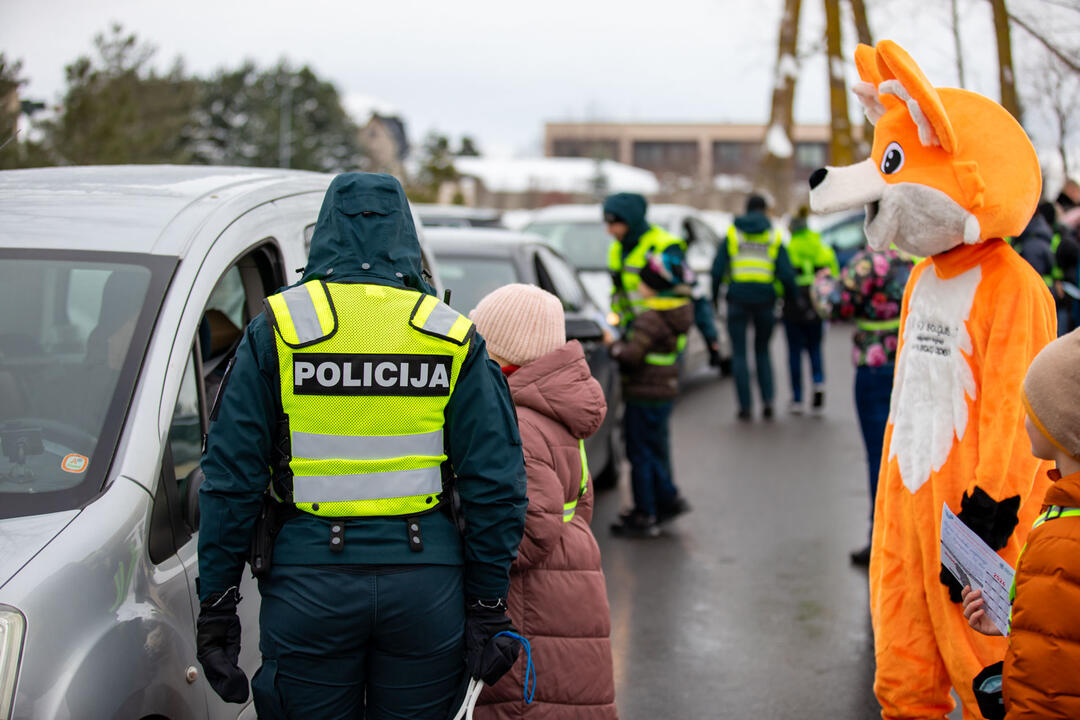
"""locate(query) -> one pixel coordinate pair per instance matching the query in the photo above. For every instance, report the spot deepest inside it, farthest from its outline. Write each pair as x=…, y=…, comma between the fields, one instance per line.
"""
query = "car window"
x=186, y=431
x=70, y=350
x=845, y=236
x=470, y=278
x=557, y=277
x=584, y=244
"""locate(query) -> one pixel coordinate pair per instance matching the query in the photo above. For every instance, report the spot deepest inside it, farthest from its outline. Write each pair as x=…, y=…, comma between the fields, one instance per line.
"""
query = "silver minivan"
x=123, y=294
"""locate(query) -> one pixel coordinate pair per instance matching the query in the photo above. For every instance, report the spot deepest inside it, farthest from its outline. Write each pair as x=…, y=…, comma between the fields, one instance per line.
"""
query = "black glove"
x=992, y=521
x=217, y=642
x=488, y=657
x=987, y=687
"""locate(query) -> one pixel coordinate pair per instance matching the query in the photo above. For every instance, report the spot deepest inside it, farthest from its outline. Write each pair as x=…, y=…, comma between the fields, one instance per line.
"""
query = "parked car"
x=845, y=235
x=578, y=232
x=475, y=261
x=125, y=292
x=457, y=216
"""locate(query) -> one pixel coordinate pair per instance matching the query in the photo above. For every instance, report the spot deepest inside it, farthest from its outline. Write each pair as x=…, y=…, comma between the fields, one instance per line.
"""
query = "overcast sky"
x=497, y=69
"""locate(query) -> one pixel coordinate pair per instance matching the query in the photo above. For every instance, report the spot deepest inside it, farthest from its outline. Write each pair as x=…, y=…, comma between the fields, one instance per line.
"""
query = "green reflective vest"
x=365, y=373
x=753, y=257
x=570, y=507
x=626, y=300
x=808, y=255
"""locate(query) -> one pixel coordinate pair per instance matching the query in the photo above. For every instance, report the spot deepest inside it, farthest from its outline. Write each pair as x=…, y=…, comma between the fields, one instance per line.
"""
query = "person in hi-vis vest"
x=363, y=415
x=752, y=262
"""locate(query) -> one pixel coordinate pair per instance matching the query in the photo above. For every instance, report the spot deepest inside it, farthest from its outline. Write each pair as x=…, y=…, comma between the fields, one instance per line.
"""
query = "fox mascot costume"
x=951, y=173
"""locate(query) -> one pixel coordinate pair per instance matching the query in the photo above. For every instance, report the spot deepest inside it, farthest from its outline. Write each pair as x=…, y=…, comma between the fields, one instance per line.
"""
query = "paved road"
x=748, y=607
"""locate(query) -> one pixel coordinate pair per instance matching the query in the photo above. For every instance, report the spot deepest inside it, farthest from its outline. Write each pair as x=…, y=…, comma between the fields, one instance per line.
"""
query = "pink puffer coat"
x=557, y=594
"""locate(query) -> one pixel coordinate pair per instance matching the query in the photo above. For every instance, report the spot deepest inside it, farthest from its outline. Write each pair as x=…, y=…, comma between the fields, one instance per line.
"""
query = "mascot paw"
x=992, y=521
x=987, y=688
x=955, y=590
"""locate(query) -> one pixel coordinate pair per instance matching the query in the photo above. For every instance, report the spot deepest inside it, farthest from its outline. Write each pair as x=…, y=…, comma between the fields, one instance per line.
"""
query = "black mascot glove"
x=992, y=521
x=217, y=642
x=987, y=687
x=488, y=657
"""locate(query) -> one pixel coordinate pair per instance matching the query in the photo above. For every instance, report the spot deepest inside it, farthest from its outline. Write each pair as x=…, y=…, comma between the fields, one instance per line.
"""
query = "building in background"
x=385, y=141
x=707, y=165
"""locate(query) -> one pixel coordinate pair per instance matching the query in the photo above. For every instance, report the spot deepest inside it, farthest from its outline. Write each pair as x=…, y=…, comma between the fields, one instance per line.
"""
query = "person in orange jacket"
x=1041, y=672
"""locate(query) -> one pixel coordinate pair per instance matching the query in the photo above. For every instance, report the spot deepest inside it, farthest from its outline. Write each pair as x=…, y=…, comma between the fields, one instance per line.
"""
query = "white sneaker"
x=796, y=408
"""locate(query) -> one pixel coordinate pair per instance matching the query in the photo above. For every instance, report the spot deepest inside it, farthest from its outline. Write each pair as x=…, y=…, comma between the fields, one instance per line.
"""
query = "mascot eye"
x=893, y=159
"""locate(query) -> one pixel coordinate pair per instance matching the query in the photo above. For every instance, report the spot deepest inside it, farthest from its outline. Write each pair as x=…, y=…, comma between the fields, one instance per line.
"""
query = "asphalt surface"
x=748, y=607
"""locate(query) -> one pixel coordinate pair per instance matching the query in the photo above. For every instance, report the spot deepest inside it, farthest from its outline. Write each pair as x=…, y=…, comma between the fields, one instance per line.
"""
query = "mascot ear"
x=867, y=91
x=923, y=101
x=866, y=64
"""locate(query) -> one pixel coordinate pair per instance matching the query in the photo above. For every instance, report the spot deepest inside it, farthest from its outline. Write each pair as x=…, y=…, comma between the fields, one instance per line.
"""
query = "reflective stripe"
x=874, y=325
x=316, y=446
x=1055, y=512
x=441, y=319
x=305, y=319
x=367, y=486
x=568, y=508
x=667, y=358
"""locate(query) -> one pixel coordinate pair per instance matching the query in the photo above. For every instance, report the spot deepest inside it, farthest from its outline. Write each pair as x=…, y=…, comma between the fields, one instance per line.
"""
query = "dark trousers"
x=804, y=337
x=648, y=448
x=350, y=642
x=873, y=388
x=761, y=316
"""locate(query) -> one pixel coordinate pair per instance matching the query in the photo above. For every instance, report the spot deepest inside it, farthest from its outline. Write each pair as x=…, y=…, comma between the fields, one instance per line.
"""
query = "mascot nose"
x=818, y=177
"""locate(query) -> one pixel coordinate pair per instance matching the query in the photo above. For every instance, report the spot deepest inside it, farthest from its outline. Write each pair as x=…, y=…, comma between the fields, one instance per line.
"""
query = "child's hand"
x=974, y=612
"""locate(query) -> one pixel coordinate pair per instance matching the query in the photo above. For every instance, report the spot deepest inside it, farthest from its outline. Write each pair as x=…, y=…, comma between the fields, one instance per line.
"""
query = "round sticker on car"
x=74, y=463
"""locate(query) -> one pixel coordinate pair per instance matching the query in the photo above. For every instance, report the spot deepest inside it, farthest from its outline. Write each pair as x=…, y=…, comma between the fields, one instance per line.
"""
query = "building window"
x=667, y=157
x=810, y=156
x=734, y=157
x=598, y=149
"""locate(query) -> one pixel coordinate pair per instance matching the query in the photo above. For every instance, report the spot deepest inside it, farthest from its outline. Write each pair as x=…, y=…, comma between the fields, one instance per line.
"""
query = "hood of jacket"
x=630, y=208
x=753, y=223
x=365, y=233
x=1065, y=491
x=560, y=386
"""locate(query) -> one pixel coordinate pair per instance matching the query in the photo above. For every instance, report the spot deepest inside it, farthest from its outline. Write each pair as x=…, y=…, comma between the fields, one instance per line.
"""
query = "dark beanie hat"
x=756, y=203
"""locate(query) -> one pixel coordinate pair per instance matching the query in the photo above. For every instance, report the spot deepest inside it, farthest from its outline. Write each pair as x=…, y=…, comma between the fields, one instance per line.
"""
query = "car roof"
x=455, y=211
x=153, y=209
x=483, y=242
x=660, y=213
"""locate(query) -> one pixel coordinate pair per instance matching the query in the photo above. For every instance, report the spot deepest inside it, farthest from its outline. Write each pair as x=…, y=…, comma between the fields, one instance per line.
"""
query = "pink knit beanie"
x=520, y=322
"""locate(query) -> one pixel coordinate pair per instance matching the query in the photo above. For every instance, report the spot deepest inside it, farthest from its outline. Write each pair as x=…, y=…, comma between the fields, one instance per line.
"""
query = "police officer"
x=751, y=262
x=357, y=409
x=633, y=239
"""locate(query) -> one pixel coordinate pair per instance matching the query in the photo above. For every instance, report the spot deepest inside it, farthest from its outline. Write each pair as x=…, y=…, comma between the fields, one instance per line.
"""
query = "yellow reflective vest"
x=365, y=374
x=753, y=257
x=626, y=301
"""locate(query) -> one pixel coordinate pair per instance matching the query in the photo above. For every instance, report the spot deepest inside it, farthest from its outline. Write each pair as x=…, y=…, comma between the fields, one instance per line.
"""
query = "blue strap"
x=530, y=669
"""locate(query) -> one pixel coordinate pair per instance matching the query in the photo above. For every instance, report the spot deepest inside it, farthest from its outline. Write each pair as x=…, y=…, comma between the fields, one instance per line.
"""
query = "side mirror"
x=583, y=330
x=193, y=482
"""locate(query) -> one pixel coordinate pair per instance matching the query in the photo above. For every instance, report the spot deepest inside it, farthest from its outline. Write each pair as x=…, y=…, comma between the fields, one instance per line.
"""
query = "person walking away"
x=357, y=410
x=1039, y=677
x=803, y=326
x=750, y=262
x=633, y=238
x=869, y=291
x=648, y=357
x=557, y=594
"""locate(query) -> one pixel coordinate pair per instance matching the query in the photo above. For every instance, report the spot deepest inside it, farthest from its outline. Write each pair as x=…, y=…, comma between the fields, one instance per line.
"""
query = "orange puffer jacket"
x=557, y=599
x=1041, y=677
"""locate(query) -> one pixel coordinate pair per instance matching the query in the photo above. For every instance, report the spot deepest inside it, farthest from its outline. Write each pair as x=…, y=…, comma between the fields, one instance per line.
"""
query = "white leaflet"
x=933, y=379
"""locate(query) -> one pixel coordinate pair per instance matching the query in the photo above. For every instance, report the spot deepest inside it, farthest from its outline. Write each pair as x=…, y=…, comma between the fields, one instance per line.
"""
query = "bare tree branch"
x=1072, y=63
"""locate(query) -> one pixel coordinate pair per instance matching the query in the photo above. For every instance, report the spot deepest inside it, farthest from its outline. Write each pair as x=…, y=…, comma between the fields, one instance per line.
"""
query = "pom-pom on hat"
x=664, y=273
x=1052, y=392
x=520, y=322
